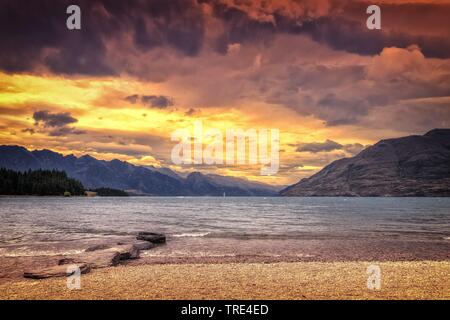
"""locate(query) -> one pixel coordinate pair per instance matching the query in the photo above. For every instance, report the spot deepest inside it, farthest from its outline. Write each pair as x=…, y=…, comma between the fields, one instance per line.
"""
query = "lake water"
x=259, y=228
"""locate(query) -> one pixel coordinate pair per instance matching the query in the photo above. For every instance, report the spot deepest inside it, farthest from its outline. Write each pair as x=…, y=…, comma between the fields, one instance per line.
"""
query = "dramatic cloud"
x=49, y=119
x=345, y=90
x=29, y=130
x=328, y=145
x=40, y=36
x=160, y=102
x=37, y=38
x=57, y=122
x=153, y=101
x=310, y=68
x=354, y=37
x=341, y=24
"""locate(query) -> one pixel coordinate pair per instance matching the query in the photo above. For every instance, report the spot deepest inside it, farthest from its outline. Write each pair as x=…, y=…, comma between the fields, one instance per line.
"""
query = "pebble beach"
x=296, y=280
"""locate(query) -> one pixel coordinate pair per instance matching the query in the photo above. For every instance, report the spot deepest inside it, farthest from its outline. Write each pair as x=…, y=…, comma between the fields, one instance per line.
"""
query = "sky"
x=139, y=70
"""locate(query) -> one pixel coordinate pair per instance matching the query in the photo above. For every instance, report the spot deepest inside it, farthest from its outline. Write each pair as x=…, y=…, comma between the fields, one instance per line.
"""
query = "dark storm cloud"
x=337, y=111
x=344, y=27
x=29, y=130
x=153, y=101
x=33, y=33
x=28, y=29
x=314, y=76
x=329, y=145
x=55, y=124
x=49, y=119
x=333, y=108
x=160, y=102
x=177, y=23
x=354, y=37
x=240, y=28
x=314, y=147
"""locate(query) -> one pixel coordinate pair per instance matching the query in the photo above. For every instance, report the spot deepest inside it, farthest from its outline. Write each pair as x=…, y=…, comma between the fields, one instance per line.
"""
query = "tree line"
x=39, y=183
x=109, y=192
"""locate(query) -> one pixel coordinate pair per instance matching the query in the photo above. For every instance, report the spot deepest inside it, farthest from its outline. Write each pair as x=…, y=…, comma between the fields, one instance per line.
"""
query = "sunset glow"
x=123, y=96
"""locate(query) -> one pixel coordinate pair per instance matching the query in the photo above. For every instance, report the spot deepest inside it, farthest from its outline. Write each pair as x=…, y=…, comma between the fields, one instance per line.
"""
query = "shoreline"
x=280, y=280
x=202, y=251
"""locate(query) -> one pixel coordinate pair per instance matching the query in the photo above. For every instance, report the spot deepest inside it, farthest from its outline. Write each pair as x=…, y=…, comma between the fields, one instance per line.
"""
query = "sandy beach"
x=297, y=280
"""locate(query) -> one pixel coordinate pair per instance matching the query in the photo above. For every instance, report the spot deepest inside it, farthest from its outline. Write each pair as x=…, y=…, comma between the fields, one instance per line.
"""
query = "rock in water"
x=408, y=166
x=143, y=245
x=56, y=271
x=97, y=247
x=151, y=237
x=99, y=257
x=127, y=251
x=96, y=259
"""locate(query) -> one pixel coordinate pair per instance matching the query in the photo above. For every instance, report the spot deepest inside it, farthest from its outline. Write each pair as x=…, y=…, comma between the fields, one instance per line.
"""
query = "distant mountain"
x=215, y=185
x=122, y=175
x=408, y=166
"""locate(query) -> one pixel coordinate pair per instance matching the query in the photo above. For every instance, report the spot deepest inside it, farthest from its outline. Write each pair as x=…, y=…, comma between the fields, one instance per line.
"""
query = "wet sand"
x=285, y=280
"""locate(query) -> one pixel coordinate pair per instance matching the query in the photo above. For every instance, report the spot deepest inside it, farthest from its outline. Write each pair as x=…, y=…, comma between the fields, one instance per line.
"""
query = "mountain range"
x=136, y=180
x=408, y=166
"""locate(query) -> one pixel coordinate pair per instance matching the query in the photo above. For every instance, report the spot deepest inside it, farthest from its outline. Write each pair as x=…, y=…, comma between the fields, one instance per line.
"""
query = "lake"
x=232, y=228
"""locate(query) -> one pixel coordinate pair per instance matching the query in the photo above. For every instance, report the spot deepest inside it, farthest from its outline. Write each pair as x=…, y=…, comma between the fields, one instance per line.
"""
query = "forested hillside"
x=38, y=182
